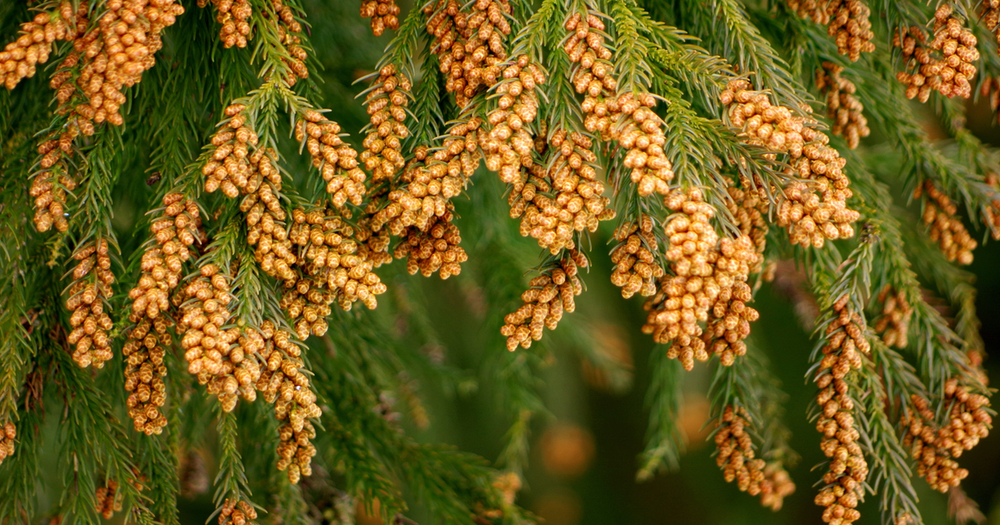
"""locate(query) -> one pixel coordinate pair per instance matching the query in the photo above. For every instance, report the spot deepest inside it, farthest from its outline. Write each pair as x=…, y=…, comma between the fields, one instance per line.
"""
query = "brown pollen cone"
x=814, y=208
x=935, y=447
x=384, y=14
x=842, y=107
x=940, y=215
x=543, y=303
x=283, y=383
x=736, y=457
x=946, y=64
x=176, y=229
x=636, y=269
x=88, y=297
x=386, y=105
x=845, y=477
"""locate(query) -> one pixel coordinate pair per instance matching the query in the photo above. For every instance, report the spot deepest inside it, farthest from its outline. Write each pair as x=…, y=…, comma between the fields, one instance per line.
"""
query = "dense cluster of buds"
x=337, y=267
x=626, y=118
x=842, y=107
x=8, y=432
x=946, y=64
x=33, y=46
x=508, y=145
x=549, y=295
x=469, y=45
x=934, y=448
x=267, y=232
x=736, y=457
x=708, y=285
x=113, y=56
x=940, y=215
x=436, y=250
x=209, y=342
x=289, y=35
x=814, y=208
x=335, y=159
x=566, y=199
x=894, y=322
x=234, y=15
x=384, y=14
x=283, y=383
x=386, y=104
x=232, y=164
x=850, y=27
x=174, y=232
x=88, y=296
x=846, y=20
x=748, y=209
x=432, y=180
x=844, y=480
x=50, y=186
x=991, y=212
x=237, y=513
x=108, y=500
x=636, y=269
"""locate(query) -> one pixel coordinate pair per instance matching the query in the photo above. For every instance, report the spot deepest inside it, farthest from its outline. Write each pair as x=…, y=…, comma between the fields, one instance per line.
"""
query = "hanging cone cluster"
x=626, y=118
x=844, y=481
x=708, y=285
x=469, y=45
x=509, y=143
x=335, y=264
x=946, y=64
x=8, y=432
x=850, y=27
x=847, y=22
x=842, y=107
x=113, y=56
x=336, y=160
x=550, y=294
x=232, y=165
x=436, y=250
x=935, y=448
x=234, y=15
x=237, y=513
x=556, y=204
x=289, y=30
x=941, y=218
x=736, y=457
x=429, y=183
x=174, y=232
x=209, y=340
x=894, y=322
x=108, y=501
x=266, y=229
x=33, y=46
x=776, y=486
x=50, y=186
x=813, y=211
x=88, y=297
x=386, y=104
x=282, y=382
x=748, y=209
x=634, y=257
x=384, y=14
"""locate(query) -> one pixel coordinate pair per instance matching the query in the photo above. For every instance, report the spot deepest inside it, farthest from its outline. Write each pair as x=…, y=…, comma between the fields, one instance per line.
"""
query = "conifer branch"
x=665, y=441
